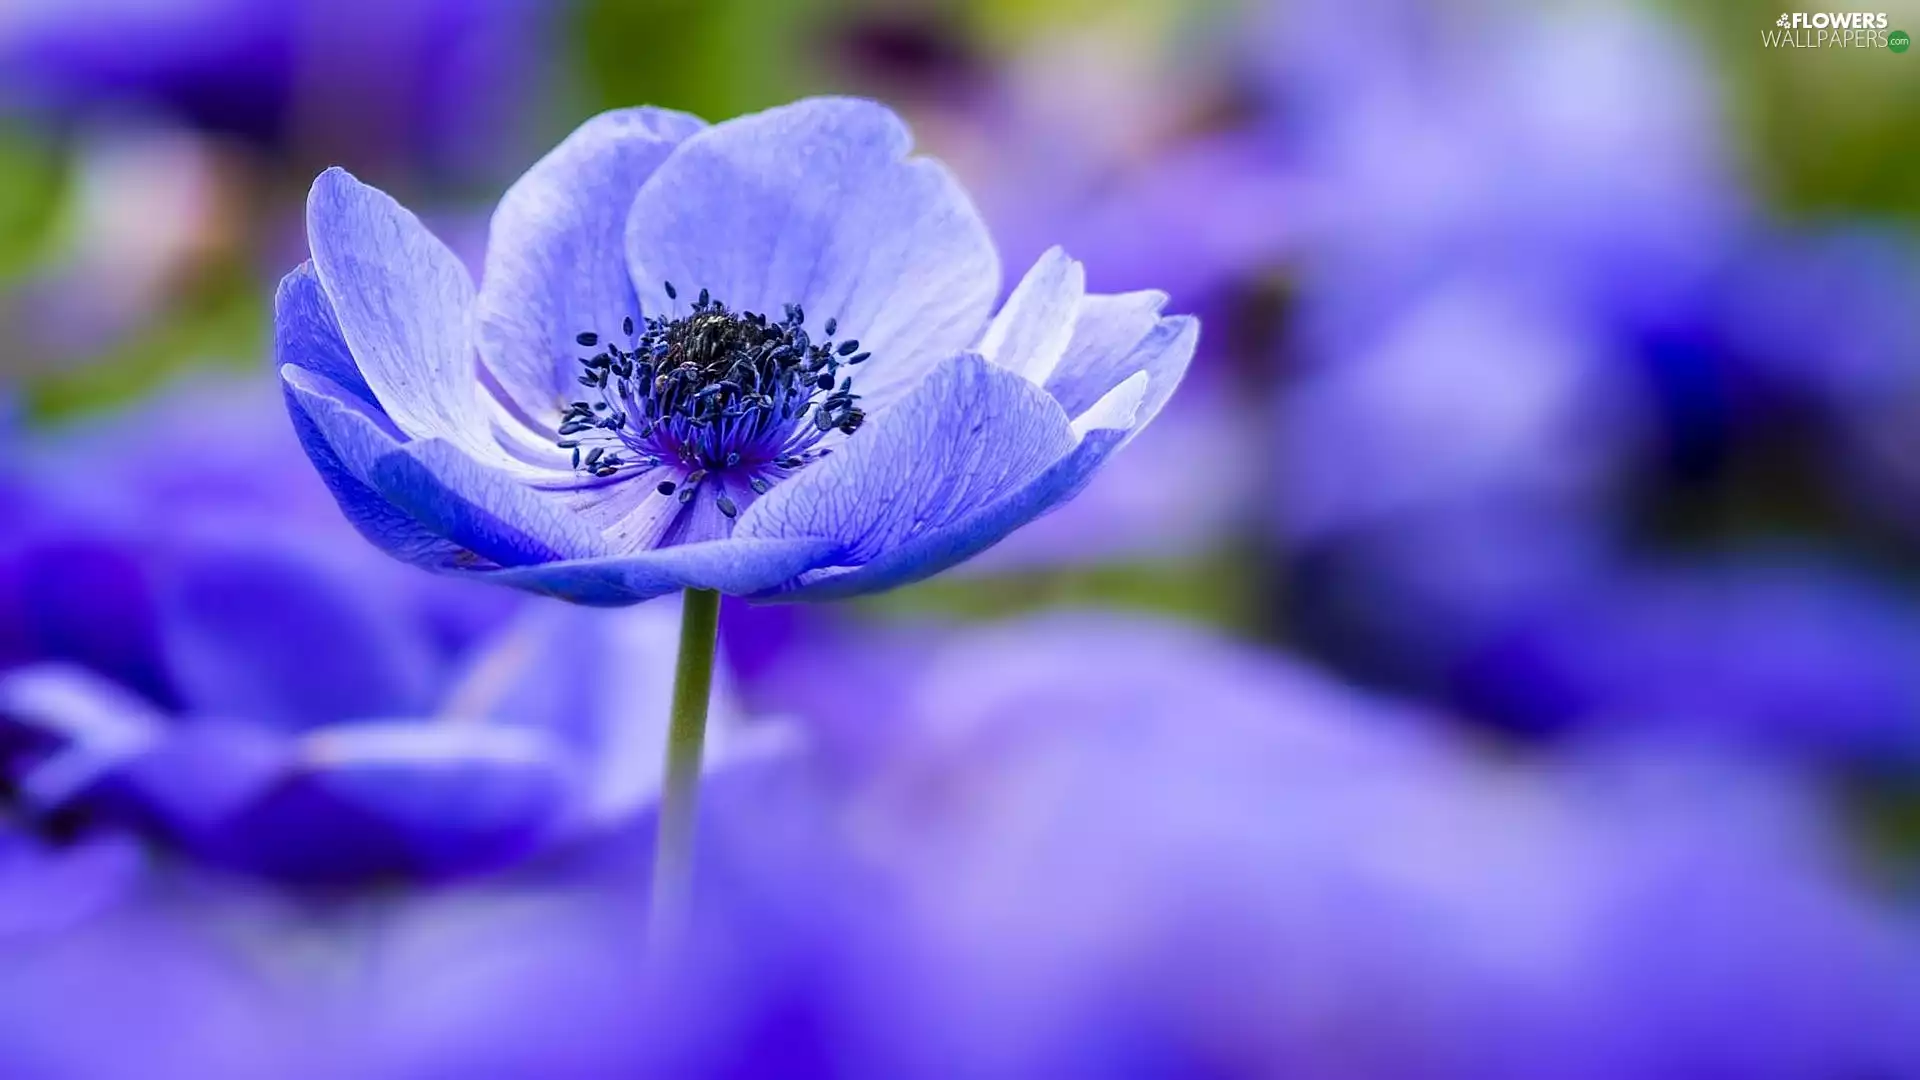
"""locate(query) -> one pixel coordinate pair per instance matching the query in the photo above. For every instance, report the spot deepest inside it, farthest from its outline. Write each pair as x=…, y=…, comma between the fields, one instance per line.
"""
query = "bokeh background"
x=1502, y=658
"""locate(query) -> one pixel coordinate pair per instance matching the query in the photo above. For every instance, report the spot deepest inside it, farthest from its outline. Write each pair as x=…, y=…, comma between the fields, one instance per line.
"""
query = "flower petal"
x=735, y=566
x=1172, y=498
x=380, y=798
x=1031, y=333
x=1117, y=410
x=1116, y=337
x=306, y=334
x=48, y=888
x=438, y=487
x=403, y=301
x=285, y=638
x=1106, y=329
x=966, y=534
x=556, y=262
x=376, y=519
x=968, y=436
x=69, y=593
x=817, y=203
x=598, y=682
x=634, y=652
x=482, y=508
x=204, y=771
x=75, y=727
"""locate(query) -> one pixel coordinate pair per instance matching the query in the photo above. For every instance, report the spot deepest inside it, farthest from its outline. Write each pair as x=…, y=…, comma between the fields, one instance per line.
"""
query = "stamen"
x=711, y=392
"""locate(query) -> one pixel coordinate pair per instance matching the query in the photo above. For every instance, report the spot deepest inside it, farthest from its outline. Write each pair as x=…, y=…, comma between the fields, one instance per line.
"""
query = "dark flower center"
x=711, y=391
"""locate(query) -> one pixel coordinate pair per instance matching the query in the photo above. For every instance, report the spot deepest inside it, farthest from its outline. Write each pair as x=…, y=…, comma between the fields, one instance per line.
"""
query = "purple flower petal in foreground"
x=195, y=647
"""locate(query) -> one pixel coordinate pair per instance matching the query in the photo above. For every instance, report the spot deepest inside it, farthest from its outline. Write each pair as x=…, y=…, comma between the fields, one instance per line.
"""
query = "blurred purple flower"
x=1112, y=849
x=1476, y=534
x=713, y=470
x=1508, y=222
x=1481, y=395
x=1788, y=653
x=435, y=82
x=1107, y=848
x=1095, y=140
x=126, y=988
x=1819, y=317
x=1544, y=332
x=1581, y=149
x=47, y=889
x=198, y=646
x=1086, y=142
x=1122, y=850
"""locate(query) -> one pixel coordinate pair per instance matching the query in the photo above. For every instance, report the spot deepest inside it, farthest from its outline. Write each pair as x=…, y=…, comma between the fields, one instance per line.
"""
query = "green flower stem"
x=680, y=791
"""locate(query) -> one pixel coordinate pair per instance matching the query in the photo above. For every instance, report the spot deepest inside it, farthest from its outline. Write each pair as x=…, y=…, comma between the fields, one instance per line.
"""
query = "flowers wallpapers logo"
x=1830, y=29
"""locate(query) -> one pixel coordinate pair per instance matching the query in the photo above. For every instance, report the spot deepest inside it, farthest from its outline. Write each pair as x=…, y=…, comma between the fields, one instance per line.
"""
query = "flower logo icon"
x=1784, y=20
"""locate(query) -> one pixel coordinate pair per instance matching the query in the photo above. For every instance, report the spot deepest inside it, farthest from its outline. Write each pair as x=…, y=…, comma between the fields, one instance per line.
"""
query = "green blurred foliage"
x=713, y=58
x=223, y=324
x=1830, y=130
x=1008, y=24
x=32, y=186
x=1216, y=589
x=1887, y=813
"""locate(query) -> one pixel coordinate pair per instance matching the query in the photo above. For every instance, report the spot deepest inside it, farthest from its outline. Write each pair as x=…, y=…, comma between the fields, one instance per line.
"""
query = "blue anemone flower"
x=759, y=357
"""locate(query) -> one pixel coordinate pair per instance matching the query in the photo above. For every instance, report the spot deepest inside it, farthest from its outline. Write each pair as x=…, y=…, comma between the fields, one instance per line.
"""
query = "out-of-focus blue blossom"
x=1133, y=850
x=1820, y=310
x=1790, y=653
x=1127, y=850
x=197, y=646
x=1085, y=142
x=1579, y=202
x=705, y=443
x=1100, y=141
x=1579, y=148
x=1819, y=318
x=411, y=81
x=1480, y=534
x=1544, y=335
x=45, y=889
x=199, y=464
x=120, y=987
x=1116, y=850
x=1480, y=396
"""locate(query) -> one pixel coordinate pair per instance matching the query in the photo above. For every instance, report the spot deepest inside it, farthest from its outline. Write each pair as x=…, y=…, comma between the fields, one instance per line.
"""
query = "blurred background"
x=1502, y=658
